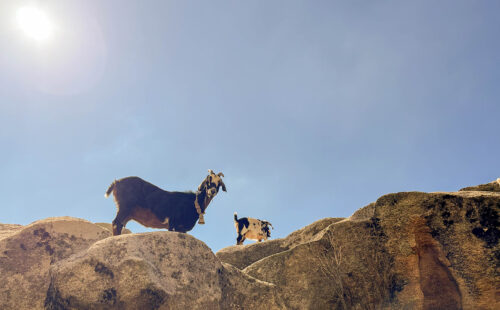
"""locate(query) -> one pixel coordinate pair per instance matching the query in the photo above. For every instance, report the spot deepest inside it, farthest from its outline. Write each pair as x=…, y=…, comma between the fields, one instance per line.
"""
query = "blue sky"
x=311, y=109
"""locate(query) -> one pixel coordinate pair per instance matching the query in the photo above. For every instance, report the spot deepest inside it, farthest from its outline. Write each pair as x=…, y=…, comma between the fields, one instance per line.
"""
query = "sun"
x=35, y=23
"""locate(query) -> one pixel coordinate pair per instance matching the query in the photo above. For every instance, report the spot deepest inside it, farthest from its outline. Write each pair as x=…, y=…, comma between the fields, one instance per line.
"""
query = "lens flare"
x=34, y=23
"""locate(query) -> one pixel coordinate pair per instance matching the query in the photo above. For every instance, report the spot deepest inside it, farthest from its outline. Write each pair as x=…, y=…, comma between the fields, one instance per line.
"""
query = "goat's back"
x=133, y=190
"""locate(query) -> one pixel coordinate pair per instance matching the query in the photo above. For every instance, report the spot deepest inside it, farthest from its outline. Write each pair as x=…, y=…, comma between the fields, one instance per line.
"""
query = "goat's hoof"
x=201, y=222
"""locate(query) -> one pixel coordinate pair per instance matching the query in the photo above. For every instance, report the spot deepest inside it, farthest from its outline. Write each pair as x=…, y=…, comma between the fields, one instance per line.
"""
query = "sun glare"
x=35, y=23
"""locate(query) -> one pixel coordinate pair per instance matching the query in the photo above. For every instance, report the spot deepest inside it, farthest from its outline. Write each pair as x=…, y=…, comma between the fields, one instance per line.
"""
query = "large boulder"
x=406, y=251
x=27, y=252
x=158, y=270
x=445, y=248
x=340, y=267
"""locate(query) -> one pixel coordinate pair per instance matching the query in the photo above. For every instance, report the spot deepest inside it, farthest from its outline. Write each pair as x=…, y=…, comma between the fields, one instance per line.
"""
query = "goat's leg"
x=117, y=227
x=119, y=222
x=240, y=239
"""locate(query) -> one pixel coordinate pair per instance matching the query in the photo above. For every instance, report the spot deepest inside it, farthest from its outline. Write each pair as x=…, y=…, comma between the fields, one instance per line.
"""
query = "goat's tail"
x=235, y=217
x=110, y=189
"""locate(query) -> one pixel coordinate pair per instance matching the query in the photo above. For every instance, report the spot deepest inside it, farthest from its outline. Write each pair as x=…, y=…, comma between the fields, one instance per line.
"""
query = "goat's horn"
x=211, y=171
x=220, y=174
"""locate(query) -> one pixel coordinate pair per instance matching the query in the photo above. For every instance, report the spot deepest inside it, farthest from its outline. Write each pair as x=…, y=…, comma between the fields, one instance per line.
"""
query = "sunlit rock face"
x=109, y=227
x=407, y=250
x=488, y=187
x=443, y=247
x=27, y=252
x=8, y=229
x=158, y=270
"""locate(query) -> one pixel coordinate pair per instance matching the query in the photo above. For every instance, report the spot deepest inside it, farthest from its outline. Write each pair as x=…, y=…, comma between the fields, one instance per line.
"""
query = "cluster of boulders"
x=70, y=263
x=408, y=250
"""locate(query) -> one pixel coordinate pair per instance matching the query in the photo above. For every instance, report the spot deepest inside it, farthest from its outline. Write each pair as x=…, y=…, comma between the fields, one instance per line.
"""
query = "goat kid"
x=250, y=228
x=154, y=207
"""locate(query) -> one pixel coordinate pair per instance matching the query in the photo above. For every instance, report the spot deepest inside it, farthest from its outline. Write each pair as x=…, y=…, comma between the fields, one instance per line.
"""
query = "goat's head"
x=265, y=228
x=212, y=183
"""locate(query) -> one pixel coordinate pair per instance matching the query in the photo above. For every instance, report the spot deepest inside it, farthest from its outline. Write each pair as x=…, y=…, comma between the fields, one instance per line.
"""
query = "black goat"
x=154, y=207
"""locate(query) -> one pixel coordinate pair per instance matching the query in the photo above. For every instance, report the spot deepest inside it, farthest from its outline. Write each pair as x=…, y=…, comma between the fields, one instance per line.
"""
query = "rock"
x=405, y=251
x=242, y=256
x=158, y=270
x=310, y=277
x=493, y=186
x=8, y=229
x=27, y=252
x=445, y=248
x=109, y=227
x=311, y=232
x=241, y=291
x=363, y=214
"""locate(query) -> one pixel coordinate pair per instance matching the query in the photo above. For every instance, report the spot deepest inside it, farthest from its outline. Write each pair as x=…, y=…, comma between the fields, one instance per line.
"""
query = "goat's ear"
x=220, y=174
x=223, y=186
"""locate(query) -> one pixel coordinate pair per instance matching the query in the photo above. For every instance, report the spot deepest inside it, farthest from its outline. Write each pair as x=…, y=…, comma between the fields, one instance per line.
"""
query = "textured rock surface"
x=158, y=270
x=338, y=260
x=445, y=247
x=109, y=227
x=27, y=252
x=8, y=229
x=241, y=291
x=488, y=187
x=406, y=251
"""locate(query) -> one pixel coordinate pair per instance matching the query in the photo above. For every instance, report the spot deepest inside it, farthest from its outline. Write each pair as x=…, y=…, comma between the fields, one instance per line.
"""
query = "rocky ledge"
x=407, y=250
